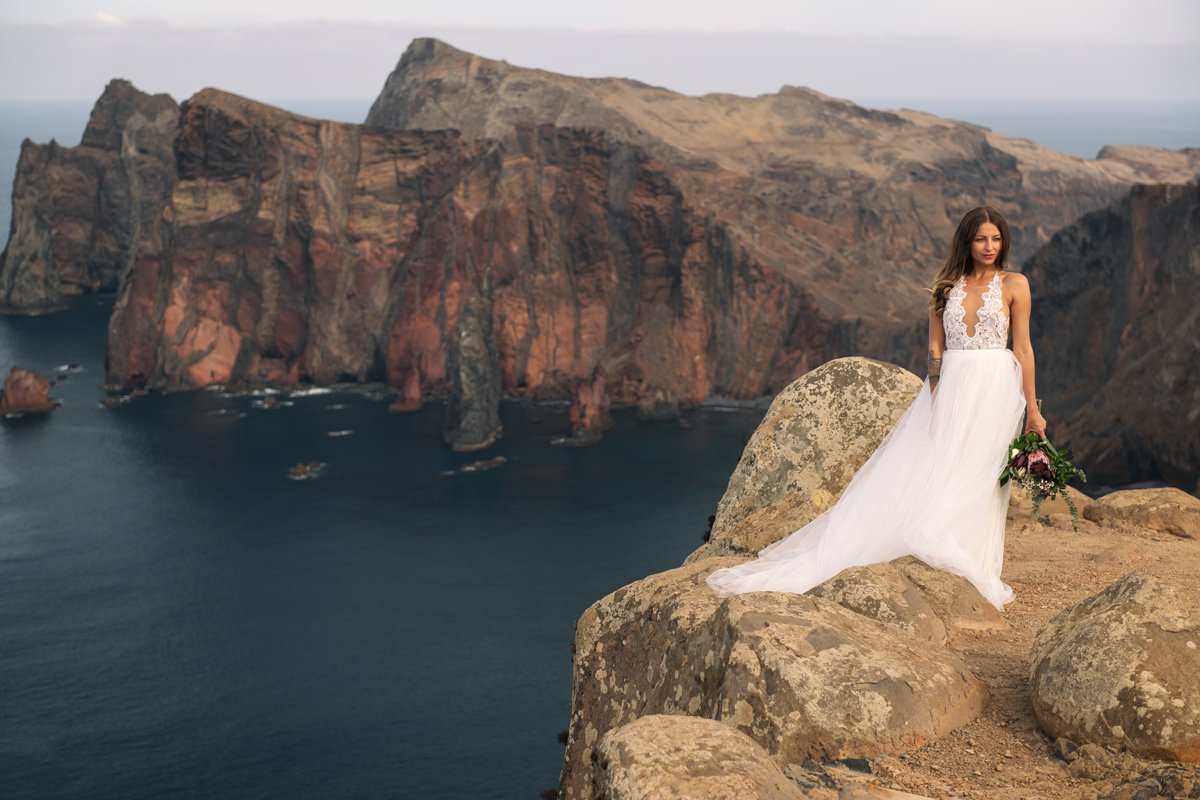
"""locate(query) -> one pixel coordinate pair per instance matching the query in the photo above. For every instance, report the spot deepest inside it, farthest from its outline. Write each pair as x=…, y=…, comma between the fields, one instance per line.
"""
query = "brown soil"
x=1003, y=755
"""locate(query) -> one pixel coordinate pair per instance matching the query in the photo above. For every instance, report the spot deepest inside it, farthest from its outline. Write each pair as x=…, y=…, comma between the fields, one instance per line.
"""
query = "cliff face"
x=1117, y=336
x=305, y=250
x=647, y=249
x=80, y=214
x=855, y=205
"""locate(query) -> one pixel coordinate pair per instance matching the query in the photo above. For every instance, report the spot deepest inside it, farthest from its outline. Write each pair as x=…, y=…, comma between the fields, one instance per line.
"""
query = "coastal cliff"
x=304, y=250
x=647, y=249
x=854, y=204
x=895, y=680
x=81, y=214
x=1117, y=336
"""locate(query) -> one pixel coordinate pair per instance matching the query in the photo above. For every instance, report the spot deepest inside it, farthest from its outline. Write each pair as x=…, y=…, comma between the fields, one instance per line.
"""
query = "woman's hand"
x=1034, y=421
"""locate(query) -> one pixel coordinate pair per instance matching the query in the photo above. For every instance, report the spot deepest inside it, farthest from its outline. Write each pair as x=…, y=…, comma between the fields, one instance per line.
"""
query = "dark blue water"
x=178, y=619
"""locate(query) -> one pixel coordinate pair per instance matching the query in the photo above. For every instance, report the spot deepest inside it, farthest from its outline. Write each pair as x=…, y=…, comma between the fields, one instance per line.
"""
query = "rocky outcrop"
x=1122, y=668
x=816, y=187
x=883, y=593
x=81, y=214
x=26, y=392
x=304, y=250
x=814, y=437
x=659, y=756
x=802, y=676
x=1167, y=510
x=473, y=413
x=1120, y=285
x=588, y=415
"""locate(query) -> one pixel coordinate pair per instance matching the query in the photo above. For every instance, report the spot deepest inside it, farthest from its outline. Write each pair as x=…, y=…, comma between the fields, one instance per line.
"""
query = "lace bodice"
x=991, y=330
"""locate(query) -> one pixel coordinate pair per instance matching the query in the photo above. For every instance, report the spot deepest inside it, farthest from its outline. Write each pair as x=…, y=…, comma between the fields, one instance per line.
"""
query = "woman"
x=931, y=488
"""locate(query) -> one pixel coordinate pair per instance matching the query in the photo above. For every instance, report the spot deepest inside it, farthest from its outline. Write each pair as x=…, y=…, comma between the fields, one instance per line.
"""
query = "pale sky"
x=878, y=49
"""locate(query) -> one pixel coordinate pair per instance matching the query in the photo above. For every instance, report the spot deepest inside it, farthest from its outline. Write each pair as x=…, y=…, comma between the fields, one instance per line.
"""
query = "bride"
x=931, y=488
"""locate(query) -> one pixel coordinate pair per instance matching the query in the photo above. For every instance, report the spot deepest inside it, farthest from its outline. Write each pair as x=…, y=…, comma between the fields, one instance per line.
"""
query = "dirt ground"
x=1003, y=755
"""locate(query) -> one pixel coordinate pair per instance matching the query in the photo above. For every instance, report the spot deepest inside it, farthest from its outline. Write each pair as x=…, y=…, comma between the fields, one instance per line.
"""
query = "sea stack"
x=26, y=392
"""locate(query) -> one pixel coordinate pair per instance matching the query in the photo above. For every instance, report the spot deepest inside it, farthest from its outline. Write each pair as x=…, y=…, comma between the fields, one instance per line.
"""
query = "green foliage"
x=1042, y=470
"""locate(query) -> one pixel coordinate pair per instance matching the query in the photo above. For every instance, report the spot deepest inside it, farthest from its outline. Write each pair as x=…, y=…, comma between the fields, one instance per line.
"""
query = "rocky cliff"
x=1117, y=336
x=901, y=672
x=855, y=205
x=305, y=250
x=81, y=213
x=647, y=249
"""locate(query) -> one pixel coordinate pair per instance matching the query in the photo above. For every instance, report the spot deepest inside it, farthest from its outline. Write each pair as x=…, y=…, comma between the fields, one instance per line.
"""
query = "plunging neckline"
x=962, y=286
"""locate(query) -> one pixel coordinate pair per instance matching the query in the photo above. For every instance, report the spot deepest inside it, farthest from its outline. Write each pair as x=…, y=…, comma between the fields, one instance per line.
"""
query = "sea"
x=181, y=619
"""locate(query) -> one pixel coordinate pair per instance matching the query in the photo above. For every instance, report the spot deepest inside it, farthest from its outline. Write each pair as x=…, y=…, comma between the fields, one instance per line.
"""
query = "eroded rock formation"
x=1168, y=510
x=26, y=392
x=802, y=676
x=1123, y=668
x=1118, y=338
x=855, y=205
x=814, y=437
x=659, y=756
x=305, y=250
x=80, y=214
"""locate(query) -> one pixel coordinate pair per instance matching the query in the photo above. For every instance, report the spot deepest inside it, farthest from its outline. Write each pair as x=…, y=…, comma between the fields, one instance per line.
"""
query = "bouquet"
x=1037, y=467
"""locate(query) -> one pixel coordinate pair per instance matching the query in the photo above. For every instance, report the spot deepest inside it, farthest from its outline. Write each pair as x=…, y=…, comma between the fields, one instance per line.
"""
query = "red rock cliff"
x=306, y=250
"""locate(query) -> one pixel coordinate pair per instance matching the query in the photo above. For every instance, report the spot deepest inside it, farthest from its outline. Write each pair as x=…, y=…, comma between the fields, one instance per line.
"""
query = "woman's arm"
x=1023, y=350
x=937, y=346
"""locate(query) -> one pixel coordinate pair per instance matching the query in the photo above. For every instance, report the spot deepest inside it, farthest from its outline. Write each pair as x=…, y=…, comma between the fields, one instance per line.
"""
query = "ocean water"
x=179, y=619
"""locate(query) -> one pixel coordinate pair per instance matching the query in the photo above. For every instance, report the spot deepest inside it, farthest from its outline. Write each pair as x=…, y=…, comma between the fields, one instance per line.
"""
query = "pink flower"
x=1039, y=465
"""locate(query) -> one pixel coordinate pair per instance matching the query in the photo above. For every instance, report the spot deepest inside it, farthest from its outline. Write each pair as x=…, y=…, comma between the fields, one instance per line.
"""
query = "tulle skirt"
x=930, y=490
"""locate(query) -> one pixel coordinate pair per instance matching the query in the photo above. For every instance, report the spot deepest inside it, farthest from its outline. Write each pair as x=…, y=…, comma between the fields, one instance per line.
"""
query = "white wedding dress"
x=931, y=488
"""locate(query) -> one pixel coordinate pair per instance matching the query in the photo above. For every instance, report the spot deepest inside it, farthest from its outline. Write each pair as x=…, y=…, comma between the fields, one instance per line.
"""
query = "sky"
x=870, y=51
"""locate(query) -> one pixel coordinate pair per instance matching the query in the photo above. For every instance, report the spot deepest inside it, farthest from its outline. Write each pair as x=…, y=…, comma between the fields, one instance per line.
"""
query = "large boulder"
x=802, y=676
x=660, y=756
x=26, y=392
x=955, y=600
x=883, y=593
x=814, y=437
x=1167, y=510
x=1122, y=668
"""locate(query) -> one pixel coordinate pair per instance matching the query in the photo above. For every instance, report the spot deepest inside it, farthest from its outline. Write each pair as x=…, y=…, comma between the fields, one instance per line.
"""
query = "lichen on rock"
x=1123, y=668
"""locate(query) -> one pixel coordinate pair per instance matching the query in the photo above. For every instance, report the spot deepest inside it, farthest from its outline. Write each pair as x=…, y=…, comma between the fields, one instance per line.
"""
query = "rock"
x=588, y=415
x=307, y=471
x=883, y=593
x=1167, y=510
x=81, y=215
x=304, y=250
x=1020, y=506
x=898, y=176
x=659, y=405
x=814, y=437
x=659, y=756
x=802, y=676
x=1122, y=668
x=1134, y=791
x=873, y=792
x=473, y=413
x=957, y=603
x=1127, y=412
x=26, y=392
x=1065, y=749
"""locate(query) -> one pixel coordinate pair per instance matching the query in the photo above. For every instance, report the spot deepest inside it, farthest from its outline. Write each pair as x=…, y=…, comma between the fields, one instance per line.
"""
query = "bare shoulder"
x=1016, y=283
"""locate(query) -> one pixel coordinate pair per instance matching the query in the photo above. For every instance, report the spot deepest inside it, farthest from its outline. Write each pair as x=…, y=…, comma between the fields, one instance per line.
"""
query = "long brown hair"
x=959, y=262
